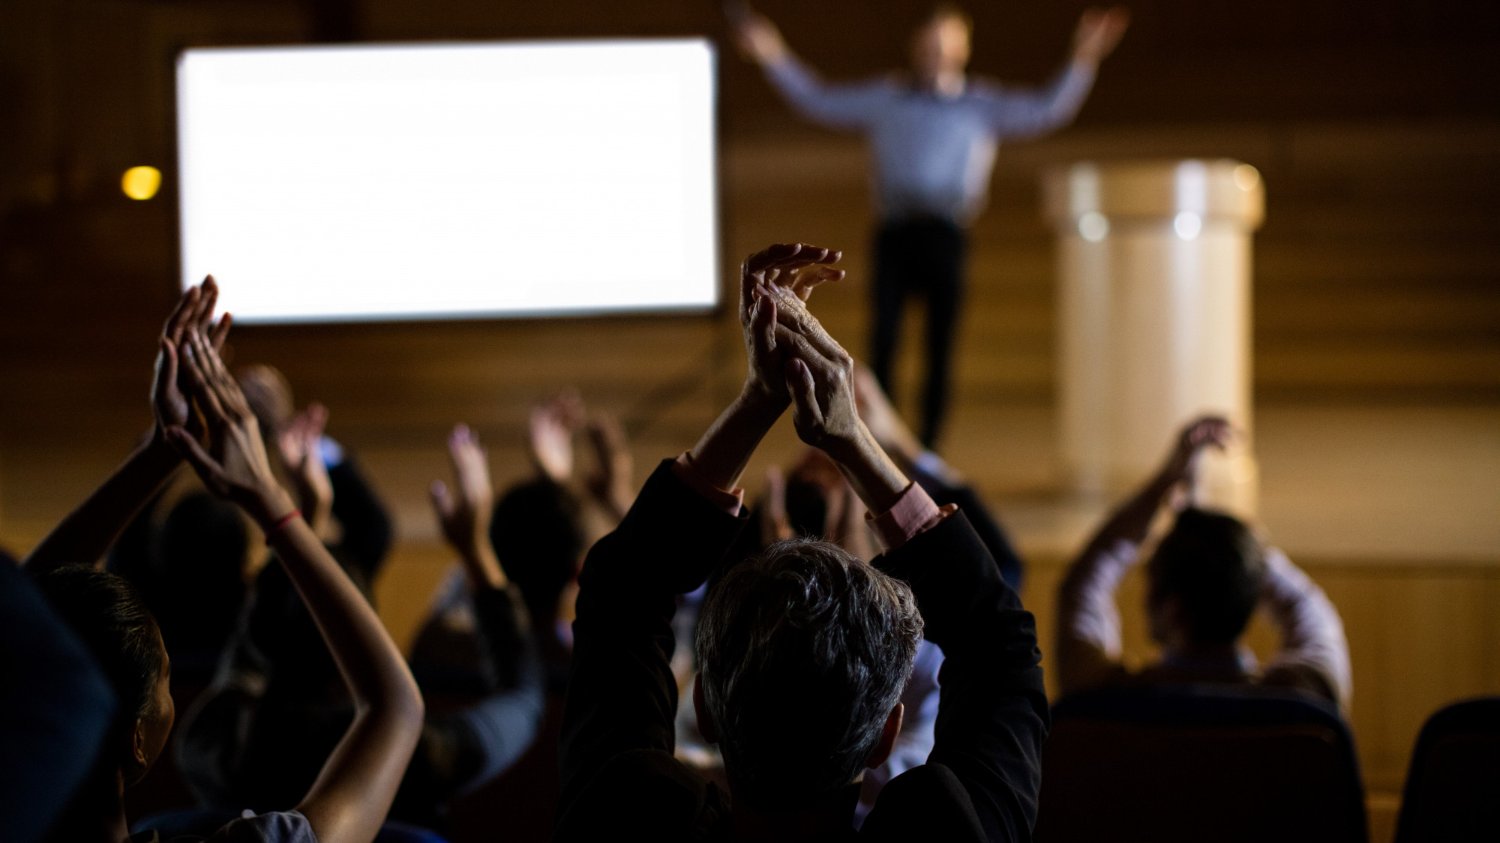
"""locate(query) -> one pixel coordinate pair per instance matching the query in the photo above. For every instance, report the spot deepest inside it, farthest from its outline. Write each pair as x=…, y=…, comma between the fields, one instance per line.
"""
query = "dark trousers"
x=922, y=257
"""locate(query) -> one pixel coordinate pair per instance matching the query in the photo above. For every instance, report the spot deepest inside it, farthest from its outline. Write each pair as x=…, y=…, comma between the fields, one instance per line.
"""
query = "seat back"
x=1453, y=787
x=1194, y=763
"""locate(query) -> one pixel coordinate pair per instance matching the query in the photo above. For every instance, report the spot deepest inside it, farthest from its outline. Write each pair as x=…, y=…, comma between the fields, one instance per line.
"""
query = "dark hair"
x=944, y=11
x=804, y=651
x=197, y=583
x=538, y=535
x=116, y=627
x=1215, y=567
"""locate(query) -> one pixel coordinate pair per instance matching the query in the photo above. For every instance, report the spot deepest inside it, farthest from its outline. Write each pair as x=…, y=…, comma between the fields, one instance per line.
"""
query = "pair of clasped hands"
x=792, y=358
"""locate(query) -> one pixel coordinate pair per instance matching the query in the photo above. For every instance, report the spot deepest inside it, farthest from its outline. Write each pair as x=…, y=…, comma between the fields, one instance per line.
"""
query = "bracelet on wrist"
x=281, y=522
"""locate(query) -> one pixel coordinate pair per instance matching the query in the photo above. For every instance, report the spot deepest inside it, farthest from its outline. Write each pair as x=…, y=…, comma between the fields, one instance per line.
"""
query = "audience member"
x=271, y=713
x=202, y=416
x=189, y=567
x=341, y=503
x=539, y=530
x=813, y=499
x=56, y=709
x=803, y=651
x=1204, y=581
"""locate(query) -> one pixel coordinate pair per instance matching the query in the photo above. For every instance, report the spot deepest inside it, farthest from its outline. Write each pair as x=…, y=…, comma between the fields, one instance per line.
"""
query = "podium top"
x=1221, y=189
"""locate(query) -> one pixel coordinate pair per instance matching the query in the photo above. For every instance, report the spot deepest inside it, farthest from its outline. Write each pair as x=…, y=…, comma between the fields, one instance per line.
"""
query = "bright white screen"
x=390, y=182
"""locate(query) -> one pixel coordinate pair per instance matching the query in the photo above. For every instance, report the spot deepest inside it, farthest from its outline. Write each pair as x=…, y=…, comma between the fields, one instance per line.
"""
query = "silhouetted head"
x=803, y=654
x=538, y=535
x=1204, y=580
x=269, y=395
x=940, y=45
x=118, y=630
x=810, y=486
x=198, y=583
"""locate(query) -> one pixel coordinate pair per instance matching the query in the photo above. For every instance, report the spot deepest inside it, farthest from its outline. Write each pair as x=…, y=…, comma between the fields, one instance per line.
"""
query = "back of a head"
x=538, y=535
x=114, y=624
x=804, y=651
x=199, y=583
x=1214, y=566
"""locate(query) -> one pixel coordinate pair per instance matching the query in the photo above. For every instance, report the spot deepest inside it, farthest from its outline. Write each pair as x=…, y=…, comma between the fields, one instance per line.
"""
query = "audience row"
x=849, y=657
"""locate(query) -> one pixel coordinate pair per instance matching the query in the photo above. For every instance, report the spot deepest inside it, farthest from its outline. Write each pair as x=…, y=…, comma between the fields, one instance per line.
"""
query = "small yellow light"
x=141, y=183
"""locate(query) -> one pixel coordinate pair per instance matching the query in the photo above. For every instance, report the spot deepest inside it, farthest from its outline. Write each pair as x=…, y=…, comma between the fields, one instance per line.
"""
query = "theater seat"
x=1453, y=788
x=1195, y=763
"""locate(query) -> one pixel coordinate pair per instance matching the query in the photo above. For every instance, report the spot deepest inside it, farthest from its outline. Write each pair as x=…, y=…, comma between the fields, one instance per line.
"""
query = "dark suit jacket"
x=619, y=777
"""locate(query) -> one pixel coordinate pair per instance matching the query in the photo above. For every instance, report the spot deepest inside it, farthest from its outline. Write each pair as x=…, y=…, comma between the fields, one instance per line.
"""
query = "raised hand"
x=1099, y=32
x=233, y=464
x=299, y=443
x=550, y=431
x=464, y=511
x=820, y=378
x=611, y=480
x=1201, y=433
x=755, y=35
x=778, y=280
x=194, y=312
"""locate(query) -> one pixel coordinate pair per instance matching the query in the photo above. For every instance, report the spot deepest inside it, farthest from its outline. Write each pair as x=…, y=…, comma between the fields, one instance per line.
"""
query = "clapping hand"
x=300, y=445
x=464, y=511
x=550, y=432
x=233, y=463
x=1099, y=32
x=1201, y=433
x=756, y=36
x=774, y=281
x=194, y=312
x=611, y=481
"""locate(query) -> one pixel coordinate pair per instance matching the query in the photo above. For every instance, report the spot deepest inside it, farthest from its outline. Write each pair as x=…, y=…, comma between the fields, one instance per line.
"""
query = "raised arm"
x=86, y=533
x=349, y=800
x=848, y=106
x=1314, y=654
x=992, y=710
x=1088, y=623
x=467, y=747
x=622, y=697
x=1018, y=114
x=945, y=484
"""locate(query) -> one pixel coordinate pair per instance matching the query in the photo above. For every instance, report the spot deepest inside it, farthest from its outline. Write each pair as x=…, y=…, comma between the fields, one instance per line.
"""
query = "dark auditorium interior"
x=1374, y=356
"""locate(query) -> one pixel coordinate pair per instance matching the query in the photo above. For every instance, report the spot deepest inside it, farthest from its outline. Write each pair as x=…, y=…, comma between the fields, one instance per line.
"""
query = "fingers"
x=198, y=380
x=187, y=305
x=460, y=443
x=206, y=467
x=810, y=332
x=763, y=327
x=767, y=257
x=790, y=255
x=168, y=376
x=203, y=318
x=1208, y=430
x=442, y=501
x=225, y=387
x=799, y=382
x=805, y=280
x=220, y=332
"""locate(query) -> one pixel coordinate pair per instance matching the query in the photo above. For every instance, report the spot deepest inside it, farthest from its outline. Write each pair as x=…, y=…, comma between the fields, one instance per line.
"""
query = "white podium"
x=1154, y=317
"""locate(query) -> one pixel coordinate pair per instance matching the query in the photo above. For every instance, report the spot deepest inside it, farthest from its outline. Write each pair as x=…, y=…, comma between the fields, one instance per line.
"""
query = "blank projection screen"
x=450, y=181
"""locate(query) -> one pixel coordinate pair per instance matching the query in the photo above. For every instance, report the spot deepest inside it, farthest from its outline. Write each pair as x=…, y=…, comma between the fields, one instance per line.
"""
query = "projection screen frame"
x=721, y=289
